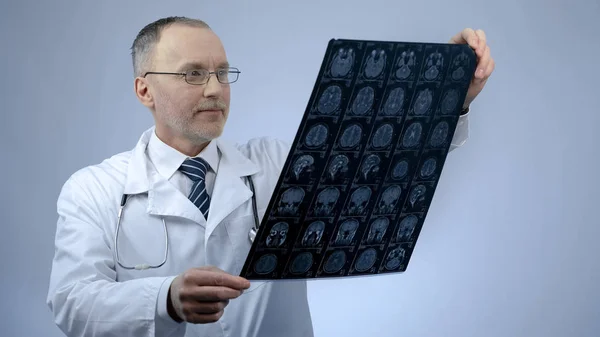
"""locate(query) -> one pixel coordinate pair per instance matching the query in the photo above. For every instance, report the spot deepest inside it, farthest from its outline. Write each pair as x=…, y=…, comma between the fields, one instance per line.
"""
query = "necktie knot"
x=194, y=168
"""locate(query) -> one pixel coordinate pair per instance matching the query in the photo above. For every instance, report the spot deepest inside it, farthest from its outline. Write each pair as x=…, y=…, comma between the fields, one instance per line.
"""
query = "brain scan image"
x=423, y=102
x=439, y=134
x=339, y=164
x=417, y=195
x=377, y=231
x=449, y=102
x=303, y=164
x=460, y=66
x=366, y=260
x=395, y=259
x=290, y=201
x=389, y=199
x=330, y=100
x=364, y=164
x=359, y=201
x=433, y=66
x=412, y=137
x=406, y=63
x=342, y=62
x=363, y=101
x=313, y=234
x=400, y=169
x=277, y=235
x=370, y=165
x=382, y=137
x=406, y=228
x=326, y=201
x=266, y=264
x=375, y=63
x=346, y=232
x=316, y=136
x=394, y=102
x=335, y=262
x=428, y=167
x=351, y=136
x=301, y=263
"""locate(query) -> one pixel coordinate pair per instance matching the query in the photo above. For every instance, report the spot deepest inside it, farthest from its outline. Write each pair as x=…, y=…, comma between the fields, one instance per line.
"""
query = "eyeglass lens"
x=200, y=76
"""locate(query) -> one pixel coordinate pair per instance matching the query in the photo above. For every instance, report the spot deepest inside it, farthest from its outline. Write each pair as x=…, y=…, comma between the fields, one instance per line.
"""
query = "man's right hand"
x=200, y=295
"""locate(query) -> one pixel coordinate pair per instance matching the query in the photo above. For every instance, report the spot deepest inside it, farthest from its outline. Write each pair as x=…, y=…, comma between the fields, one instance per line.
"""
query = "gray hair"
x=148, y=37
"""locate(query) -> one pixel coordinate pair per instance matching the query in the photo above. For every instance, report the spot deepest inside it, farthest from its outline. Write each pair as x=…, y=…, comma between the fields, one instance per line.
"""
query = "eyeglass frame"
x=210, y=73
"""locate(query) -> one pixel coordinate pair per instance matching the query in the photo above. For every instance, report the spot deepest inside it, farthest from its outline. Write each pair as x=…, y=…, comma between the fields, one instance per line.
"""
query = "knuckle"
x=219, y=279
x=187, y=311
x=219, y=306
x=212, y=318
x=221, y=294
x=212, y=308
x=216, y=316
x=184, y=293
x=187, y=277
x=235, y=294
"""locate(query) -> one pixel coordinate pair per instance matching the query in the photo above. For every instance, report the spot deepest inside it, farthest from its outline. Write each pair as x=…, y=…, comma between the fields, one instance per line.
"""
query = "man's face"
x=187, y=116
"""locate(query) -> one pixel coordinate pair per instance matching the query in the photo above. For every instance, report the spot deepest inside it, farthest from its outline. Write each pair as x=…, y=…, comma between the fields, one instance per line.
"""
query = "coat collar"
x=141, y=175
x=164, y=199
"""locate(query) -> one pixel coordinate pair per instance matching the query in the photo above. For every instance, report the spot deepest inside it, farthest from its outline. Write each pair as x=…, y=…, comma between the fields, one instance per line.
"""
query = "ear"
x=142, y=91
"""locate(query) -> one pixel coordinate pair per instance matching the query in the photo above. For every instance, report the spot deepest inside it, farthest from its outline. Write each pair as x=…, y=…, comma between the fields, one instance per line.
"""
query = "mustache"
x=211, y=105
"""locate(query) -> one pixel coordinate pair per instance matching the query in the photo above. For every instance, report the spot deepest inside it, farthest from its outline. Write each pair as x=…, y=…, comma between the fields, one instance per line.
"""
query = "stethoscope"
x=144, y=266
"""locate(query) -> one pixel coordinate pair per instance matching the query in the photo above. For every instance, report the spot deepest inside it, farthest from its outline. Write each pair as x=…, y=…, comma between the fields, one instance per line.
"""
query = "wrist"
x=171, y=308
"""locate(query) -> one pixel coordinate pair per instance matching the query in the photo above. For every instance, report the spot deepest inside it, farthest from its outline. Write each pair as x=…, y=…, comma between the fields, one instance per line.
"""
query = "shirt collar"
x=167, y=160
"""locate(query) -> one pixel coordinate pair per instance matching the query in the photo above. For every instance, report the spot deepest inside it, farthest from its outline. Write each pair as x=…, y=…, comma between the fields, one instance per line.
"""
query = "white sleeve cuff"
x=162, y=315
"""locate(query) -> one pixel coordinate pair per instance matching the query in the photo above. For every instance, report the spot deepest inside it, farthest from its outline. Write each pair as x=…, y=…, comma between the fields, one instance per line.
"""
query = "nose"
x=213, y=87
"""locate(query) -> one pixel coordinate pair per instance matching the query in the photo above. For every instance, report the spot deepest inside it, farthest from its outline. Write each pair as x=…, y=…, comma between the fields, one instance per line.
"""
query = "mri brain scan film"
x=354, y=192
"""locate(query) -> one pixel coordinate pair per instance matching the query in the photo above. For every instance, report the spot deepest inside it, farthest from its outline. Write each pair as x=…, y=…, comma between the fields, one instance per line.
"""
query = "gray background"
x=510, y=247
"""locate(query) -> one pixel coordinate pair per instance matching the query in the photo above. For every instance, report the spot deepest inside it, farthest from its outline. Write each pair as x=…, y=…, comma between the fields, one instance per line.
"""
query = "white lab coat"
x=91, y=295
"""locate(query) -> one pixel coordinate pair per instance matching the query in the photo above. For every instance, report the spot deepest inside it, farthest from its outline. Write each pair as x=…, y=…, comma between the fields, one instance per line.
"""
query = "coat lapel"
x=164, y=199
x=230, y=190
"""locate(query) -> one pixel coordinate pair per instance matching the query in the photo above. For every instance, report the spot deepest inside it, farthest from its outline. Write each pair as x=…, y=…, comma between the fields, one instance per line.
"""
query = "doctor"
x=165, y=265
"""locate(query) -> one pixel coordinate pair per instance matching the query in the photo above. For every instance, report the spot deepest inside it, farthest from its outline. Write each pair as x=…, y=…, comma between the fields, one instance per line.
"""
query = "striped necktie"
x=195, y=169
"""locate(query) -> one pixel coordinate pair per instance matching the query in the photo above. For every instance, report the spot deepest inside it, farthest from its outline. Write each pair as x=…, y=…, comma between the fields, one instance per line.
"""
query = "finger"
x=468, y=36
x=481, y=35
x=490, y=68
x=482, y=40
x=217, y=279
x=483, y=63
x=210, y=294
x=191, y=308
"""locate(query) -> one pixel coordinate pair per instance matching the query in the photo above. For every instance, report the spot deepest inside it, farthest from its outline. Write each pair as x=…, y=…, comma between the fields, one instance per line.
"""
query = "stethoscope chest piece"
x=252, y=234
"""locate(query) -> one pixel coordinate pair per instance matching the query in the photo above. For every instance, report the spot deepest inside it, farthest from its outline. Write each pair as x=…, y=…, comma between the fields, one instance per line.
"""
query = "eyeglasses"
x=201, y=76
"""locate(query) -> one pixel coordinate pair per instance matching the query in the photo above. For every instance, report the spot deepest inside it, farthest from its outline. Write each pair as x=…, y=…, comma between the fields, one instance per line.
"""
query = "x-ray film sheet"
x=363, y=168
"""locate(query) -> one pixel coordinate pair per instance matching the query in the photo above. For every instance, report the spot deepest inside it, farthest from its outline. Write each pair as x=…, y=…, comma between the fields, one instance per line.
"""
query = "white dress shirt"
x=167, y=161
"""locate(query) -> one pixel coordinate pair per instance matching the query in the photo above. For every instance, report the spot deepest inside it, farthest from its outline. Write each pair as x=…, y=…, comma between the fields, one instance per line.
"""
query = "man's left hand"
x=485, y=63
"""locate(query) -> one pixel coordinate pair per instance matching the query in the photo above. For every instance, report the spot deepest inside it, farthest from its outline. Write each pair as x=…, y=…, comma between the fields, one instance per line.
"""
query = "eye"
x=195, y=73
